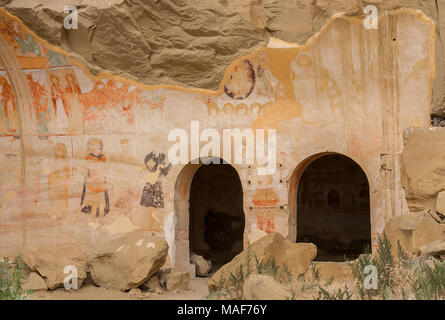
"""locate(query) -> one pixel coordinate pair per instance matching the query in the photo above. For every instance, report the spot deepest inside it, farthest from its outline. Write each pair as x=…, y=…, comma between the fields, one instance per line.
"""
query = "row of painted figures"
x=95, y=197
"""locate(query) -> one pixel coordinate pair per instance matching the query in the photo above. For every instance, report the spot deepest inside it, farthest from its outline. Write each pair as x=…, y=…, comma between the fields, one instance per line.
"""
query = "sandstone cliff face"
x=186, y=43
x=423, y=167
x=190, y=43
x=73, y=146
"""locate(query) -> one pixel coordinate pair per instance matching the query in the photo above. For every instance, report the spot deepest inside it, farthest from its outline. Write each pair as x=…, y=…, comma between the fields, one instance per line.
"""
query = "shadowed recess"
x=333, y=210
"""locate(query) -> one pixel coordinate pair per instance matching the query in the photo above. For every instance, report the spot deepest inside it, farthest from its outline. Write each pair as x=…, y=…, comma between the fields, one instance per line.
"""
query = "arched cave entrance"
x=216, y=213
x=333, y=207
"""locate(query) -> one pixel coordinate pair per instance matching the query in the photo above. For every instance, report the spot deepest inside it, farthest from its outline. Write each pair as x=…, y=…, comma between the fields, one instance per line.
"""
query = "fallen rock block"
x=203, y=266
x=433, y=249
x=135, y=292
x=51, y=266
x=256, y=234
x=262, y=287
x=177, y=281
x=191, y=270
x=297, y=257
x=162, y=276
x=440, y=202
x=152, y=285
x=34, y=282
x=413, y=231
x=127, y=262
x=437, y=216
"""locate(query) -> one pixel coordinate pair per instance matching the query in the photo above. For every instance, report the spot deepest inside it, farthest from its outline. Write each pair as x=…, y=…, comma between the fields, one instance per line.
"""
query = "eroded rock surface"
x=177, y=281
x=261, y=287
x=152, y=285
x=127, y=262
x=34, y=282
x=187, y=43
x=423, y=168
x=50, y=265
x=203, y=266
x=191, y=42
x=433, y=249
x=413, y=231
x=297, y=257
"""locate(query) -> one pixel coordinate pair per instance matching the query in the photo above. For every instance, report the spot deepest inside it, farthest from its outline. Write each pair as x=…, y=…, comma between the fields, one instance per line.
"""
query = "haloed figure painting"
x=94, y=198
x=152, y=195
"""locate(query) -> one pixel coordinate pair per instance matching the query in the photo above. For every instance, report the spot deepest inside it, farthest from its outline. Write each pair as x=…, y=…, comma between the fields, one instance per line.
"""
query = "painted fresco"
x=109, y=104
x=11, y=159
x=30, y=53
x=99, y=145
x=152, y=195
x=9, y=120
x=66, y=101
x=95, y=199
x=58, y=182
x=57, y=101
x=10, y=178
x=40, y=98
x=241, y=82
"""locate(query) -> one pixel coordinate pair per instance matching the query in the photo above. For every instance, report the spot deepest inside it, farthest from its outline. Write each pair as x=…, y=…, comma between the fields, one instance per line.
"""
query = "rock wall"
x=190, y=43
x=85, y=157
x=423, y=167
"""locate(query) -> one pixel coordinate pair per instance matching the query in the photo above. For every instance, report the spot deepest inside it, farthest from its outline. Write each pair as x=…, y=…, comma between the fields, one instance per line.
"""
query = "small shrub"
x=403, y=257
x=397, y=278
x=340, y=294
x=231, y=286
x=315, y=273
x=358, y=272
x=384, y=262
x=429, y=282
x=11, y=280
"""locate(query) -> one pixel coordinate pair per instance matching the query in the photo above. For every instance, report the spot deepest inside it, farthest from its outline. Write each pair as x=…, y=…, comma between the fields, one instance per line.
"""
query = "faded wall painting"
x=9, y=121
x=316, y=99
x=110, y=104
x=58, y=182
x=95, y=200
x=152, y=195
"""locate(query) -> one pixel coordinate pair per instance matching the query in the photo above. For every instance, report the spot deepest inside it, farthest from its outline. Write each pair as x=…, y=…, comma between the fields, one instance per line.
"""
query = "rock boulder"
x=177, y=281
x=203, y=266
x=152, y=285
x=262, y=287
x=50, y=265
x=34, y=282
x=296, y=256
x=413, y=231
x=127, y=262
x=433, y=249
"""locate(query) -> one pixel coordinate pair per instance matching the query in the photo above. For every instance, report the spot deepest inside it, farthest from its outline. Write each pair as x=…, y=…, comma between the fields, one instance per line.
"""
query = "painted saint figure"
x=95, y=198
x=40, y=102
x=9, y=110
x=241, y=82
x=152, y=195
x=61, y=108
x=58, y=181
